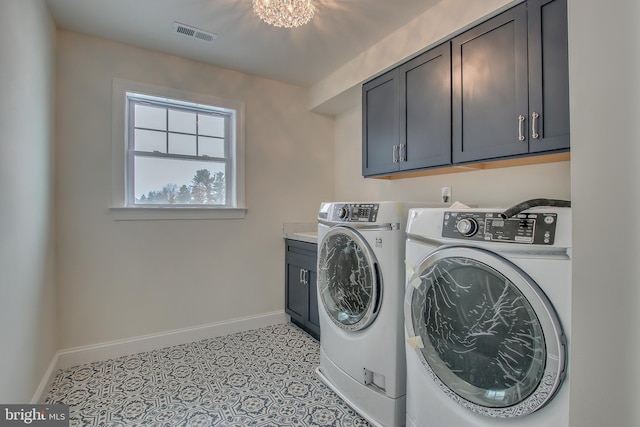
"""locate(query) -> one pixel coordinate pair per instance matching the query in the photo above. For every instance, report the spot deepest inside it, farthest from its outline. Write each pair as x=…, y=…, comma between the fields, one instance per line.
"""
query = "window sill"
x=166, y=213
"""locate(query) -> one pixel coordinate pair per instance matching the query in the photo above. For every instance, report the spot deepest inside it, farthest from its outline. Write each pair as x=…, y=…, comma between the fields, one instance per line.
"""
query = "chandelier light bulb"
x=285, y=13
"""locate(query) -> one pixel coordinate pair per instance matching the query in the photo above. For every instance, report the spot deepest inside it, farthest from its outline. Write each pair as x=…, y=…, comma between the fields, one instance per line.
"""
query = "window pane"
x=182, y=121
x=150, y=117
x=182, y=144
x=211, y=125
x=150, y=141
x=162, y=181
x=212, y=147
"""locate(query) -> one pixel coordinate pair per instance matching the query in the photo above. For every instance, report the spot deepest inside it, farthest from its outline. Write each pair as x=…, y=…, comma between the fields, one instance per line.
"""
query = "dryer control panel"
x=524, y=228
x=354, y=212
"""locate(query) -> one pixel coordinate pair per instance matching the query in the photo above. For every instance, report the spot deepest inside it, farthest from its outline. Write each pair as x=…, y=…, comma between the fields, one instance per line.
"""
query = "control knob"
x=467, y=227
x=343, y=213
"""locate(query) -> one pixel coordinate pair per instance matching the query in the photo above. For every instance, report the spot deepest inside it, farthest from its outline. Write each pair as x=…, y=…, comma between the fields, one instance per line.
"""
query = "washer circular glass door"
x=348, y=283
x=485, y=331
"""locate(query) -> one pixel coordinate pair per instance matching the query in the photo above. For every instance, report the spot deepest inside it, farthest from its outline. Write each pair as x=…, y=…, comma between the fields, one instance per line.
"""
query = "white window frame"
x=123, y=206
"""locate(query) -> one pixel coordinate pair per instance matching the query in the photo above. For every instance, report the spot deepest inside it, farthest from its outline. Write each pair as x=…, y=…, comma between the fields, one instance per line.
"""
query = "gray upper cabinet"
x=407, y=116
x=499, y=90
x=425, y=94
x=511, y=84
x=548, y=75
x=381, y=124
x=489, y=68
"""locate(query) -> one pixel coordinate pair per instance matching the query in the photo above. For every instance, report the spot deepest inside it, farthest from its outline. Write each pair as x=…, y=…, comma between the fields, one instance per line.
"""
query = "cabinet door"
x=489, y=70
x=548, y=75
x=425, y=88
x=301, y=298
x=313, y=319
x=296, y=293
x=380, y=125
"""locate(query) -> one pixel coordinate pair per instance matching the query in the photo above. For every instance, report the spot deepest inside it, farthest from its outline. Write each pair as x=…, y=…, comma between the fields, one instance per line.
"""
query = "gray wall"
x=604, y=61
x=28, y=333
x=122, y=279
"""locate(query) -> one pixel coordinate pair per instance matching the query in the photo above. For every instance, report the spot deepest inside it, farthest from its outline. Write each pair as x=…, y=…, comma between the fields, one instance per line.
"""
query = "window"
x=181, y=152
x=178, y=153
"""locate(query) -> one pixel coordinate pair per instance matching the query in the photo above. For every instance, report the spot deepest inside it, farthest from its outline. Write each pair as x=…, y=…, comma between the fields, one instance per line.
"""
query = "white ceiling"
x=341, y=30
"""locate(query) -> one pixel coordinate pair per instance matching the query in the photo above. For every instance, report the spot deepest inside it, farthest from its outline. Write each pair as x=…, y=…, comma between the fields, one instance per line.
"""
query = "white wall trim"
x=99, y=352
x=46, y=381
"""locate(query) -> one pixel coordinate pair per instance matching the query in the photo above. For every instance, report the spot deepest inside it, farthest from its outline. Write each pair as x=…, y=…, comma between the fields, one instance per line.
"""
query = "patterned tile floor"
x=263, y=378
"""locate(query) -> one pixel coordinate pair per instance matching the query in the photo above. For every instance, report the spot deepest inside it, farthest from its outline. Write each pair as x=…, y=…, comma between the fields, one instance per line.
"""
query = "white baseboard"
x=100, y=352
x=46, y=381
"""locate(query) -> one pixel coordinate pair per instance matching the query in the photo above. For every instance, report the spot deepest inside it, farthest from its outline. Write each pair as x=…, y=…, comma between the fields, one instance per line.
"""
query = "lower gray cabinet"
x=301, y=298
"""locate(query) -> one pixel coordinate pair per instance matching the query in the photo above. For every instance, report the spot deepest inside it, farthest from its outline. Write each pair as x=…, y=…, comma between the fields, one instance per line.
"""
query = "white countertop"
x=304, y=232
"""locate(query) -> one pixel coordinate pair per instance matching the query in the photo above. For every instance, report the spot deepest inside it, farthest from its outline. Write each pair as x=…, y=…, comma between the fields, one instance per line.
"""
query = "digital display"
x=531, y=228
x=355, y=212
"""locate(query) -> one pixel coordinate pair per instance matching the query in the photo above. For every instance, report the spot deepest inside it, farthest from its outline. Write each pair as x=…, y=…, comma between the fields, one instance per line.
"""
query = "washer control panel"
x=354, y=212
x=527, y=228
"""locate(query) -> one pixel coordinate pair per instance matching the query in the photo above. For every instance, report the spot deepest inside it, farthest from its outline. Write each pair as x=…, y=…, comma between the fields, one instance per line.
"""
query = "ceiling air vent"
x=194, y=33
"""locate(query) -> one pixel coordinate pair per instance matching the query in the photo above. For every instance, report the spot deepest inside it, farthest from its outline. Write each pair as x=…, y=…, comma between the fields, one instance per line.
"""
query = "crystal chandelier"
x=285, y=13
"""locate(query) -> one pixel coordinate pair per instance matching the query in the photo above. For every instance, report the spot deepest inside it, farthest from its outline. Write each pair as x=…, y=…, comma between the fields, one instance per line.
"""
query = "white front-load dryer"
x=487, y=317
x=360, y=293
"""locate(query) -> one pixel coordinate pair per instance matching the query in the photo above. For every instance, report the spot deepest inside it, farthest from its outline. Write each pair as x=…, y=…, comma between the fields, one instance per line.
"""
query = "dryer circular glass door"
x=348, y=281
x=485, y=331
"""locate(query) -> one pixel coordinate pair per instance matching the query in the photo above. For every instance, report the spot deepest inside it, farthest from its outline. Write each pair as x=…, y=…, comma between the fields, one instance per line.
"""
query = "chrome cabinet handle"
x=520, y=130
x=304, y=276
x=300, y=279
x=534, y=125
x=394, y=154
x=402, y=150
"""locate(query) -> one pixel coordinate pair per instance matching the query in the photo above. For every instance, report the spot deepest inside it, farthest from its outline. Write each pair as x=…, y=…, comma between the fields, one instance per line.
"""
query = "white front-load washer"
x=488, y=317
x=360, y=293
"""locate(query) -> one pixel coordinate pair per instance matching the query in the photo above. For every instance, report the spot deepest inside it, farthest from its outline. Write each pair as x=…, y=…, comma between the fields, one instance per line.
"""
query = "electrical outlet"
x=446, y=194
